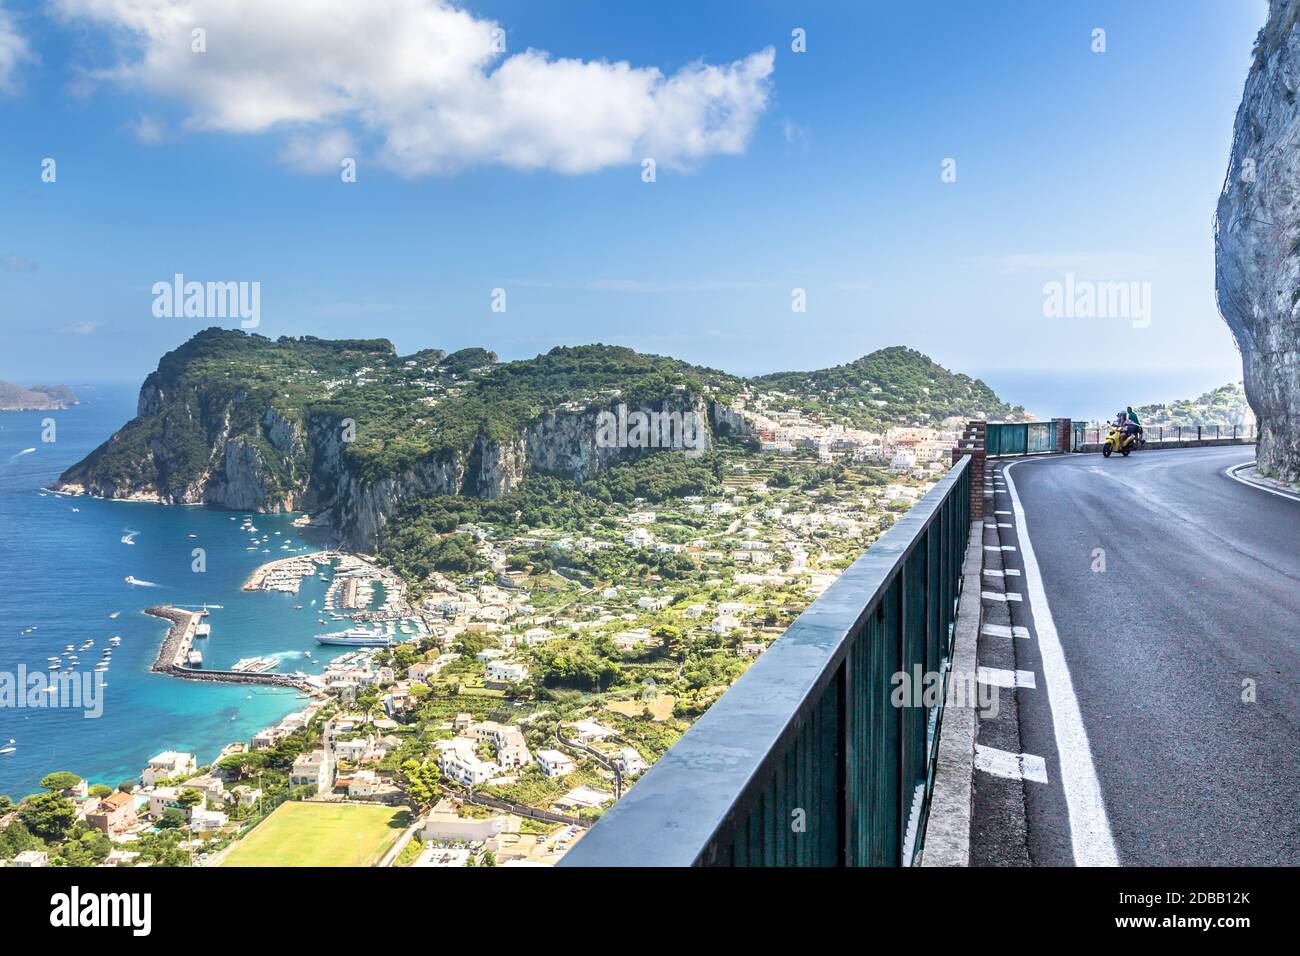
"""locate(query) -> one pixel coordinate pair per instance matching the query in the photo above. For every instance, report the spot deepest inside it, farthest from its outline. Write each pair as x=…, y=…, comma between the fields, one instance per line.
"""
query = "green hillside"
x=892, y=386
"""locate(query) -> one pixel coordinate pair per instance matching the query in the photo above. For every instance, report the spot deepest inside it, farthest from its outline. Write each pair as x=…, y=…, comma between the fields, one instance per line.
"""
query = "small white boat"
x=113, y=616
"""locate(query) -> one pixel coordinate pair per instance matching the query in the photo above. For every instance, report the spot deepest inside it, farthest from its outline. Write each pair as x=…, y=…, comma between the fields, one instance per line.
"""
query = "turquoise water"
x=62, y=572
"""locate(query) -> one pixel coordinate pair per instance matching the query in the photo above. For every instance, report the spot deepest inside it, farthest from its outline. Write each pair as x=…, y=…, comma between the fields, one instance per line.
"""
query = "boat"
x=355, y=637
x=8, y=748
x=113, y=616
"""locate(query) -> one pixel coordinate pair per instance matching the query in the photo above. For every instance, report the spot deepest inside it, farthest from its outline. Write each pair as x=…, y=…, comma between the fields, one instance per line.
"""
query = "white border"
x=1231, y=472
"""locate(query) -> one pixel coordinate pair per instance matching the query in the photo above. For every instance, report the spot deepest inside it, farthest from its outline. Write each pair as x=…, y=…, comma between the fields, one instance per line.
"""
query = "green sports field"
x=320, y=834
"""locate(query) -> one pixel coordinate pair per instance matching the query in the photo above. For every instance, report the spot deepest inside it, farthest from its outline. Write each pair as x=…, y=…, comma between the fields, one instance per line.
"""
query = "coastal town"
x=488, y=716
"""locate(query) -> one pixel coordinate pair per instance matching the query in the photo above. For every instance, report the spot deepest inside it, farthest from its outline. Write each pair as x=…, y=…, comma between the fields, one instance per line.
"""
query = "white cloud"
x=422, y=81
x=12, y=263
x=81, y=328
x=148, y=129
x=13, y=51
x=318, y=151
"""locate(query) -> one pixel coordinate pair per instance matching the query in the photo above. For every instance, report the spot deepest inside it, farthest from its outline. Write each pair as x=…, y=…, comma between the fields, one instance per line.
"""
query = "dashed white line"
x=1000, y=596
x=1003, y=630
x=1001, y=677
x=1003, y=763
x=1089, y=828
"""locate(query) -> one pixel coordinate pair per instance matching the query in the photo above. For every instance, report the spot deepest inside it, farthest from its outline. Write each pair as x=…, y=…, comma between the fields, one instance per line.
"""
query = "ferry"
x=355, y=637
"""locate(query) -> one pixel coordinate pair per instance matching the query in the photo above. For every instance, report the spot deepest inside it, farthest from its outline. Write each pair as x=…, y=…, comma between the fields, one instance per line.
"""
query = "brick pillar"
x=1064, y=432
x=972, y=443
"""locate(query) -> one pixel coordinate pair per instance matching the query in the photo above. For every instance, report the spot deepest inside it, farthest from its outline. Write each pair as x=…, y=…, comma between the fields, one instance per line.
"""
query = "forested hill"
x=352, y=428
x=1225, y=405
x=891, y=386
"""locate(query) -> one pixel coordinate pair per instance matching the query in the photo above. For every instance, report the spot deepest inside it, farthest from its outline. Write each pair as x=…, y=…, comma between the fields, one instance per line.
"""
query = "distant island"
x=38, y=398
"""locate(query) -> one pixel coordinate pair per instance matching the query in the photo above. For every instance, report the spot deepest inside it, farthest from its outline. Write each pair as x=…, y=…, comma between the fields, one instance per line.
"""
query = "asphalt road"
x=1183, y=654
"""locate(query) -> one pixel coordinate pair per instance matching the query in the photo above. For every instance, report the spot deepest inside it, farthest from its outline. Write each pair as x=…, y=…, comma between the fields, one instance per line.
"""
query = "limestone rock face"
x=1257, y=240
x=301, y=464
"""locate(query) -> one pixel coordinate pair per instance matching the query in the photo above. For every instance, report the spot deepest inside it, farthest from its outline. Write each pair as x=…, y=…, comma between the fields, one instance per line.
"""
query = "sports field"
x=319, y=834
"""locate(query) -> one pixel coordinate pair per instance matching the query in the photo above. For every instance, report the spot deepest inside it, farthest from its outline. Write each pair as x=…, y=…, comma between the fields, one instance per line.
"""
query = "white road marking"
x=1003, y=763
x=1004, y=572
x=1089, y=828
x=1000, y=595
x=1231, y=472
x=1001, y=677
x=1002, y=512
x=1002, y=630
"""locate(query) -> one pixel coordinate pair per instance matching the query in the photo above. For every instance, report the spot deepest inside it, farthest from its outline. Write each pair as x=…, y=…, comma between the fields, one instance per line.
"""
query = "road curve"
x=1197, y=608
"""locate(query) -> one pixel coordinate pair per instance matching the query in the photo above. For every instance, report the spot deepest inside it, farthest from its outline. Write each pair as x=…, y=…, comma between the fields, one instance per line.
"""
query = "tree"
x=242, y=764
x=47, y=815
x=100, y=790
x=172, y=819
x=14, y=839
x=421, y=782
x=60, y=780
x=190, y=798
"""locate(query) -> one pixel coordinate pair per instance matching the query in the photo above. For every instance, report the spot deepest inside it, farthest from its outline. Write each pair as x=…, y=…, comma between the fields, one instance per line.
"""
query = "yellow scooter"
x=1119, y=441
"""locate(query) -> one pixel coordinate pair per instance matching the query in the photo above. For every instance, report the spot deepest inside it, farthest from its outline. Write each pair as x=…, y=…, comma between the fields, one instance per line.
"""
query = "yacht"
x=355, y=637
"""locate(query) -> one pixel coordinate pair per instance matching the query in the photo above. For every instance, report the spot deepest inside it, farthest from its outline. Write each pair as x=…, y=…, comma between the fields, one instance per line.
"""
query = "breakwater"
x=176, y=648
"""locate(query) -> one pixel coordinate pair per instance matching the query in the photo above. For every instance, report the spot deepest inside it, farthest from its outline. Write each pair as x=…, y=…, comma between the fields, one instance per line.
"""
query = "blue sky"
x=823, y=173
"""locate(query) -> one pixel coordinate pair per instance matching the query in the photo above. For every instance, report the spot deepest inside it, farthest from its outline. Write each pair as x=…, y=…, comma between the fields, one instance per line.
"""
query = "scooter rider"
x=1132, y=425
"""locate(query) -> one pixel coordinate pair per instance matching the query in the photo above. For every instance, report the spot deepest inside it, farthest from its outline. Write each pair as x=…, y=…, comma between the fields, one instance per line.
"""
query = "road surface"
x=1159, y=624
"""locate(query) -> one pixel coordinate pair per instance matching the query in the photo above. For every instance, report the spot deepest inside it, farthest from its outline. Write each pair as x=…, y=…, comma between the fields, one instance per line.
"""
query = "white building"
x=461, y=763
x=555, y=764
x=167, y=765
x=506, y=672
x=314, y=770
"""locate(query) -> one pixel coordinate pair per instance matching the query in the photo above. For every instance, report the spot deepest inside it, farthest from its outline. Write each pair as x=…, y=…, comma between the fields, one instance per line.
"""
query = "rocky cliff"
x=352, y=449
x=1257, y=240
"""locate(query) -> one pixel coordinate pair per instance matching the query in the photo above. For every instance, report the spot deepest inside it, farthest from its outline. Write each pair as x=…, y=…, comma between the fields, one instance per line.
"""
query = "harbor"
x=177, y=647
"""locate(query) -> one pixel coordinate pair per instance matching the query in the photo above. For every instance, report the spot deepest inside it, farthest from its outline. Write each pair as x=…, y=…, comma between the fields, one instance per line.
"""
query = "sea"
x=63, y=568
x=1097, y=394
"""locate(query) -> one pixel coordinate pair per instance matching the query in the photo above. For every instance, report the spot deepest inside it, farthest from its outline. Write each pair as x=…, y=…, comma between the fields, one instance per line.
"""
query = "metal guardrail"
x=1019, y=438
x=806, y=760
x=1088, y=433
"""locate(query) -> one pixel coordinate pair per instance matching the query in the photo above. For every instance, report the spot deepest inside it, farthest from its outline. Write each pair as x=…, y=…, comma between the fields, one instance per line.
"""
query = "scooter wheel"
x=1105, y=452
x=1125, y=452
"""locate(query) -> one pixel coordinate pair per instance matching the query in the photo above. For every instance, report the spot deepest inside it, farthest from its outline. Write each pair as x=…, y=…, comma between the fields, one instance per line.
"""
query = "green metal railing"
x=807, y=760
x=1093, y=433
x=1020, y=438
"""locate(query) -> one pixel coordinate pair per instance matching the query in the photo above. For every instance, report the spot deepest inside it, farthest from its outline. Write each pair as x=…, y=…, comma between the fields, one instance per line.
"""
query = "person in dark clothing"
x=1134, y=426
